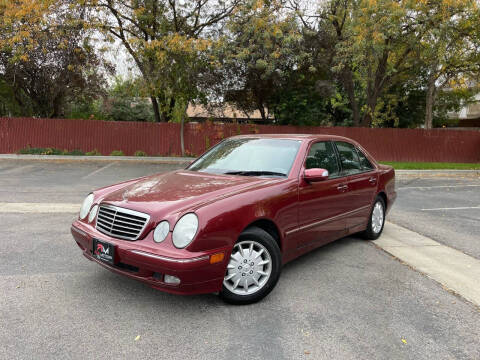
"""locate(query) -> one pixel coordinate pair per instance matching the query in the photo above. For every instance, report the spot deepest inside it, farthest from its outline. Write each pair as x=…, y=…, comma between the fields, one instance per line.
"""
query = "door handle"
x=342, y=188
x=372, y=180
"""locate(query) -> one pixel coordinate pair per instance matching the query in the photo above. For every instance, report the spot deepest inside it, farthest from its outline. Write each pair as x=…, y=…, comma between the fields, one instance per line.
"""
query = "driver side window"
x=322, y=156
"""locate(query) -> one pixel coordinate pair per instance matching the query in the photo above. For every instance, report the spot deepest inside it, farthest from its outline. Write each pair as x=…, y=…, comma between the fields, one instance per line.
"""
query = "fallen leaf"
x=307, y=352
x=404, y=341
x=18, y=286
x=137, y=338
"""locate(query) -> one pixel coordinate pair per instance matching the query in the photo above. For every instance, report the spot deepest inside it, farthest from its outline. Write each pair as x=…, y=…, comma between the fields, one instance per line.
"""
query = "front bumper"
x=143, y=260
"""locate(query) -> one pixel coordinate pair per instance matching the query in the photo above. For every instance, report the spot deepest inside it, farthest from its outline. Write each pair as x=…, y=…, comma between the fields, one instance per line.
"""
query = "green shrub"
x=93, y=153
x=117, y=153
x=140, y=153
x=75, y=152
x=40, y=151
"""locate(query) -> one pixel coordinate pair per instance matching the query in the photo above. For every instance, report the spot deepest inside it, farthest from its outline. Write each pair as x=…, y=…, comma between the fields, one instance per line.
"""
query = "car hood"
x=179, y=191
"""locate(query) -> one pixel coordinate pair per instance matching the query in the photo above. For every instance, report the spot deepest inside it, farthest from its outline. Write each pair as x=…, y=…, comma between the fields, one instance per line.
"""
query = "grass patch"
x=431, y=165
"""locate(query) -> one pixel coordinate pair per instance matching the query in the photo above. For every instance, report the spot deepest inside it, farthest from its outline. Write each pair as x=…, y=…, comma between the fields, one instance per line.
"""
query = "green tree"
x=45, y=58
x=261, y=48
x=168, y=40
x=449, y=49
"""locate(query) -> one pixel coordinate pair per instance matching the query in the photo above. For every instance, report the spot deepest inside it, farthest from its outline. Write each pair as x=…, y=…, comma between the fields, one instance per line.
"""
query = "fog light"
x=170, y=279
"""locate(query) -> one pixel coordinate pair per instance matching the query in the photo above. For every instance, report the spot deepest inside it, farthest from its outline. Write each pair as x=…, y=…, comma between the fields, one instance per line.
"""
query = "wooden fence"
x=437, y=145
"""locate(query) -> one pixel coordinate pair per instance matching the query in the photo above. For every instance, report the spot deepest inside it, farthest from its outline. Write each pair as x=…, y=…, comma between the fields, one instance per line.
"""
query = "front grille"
x=121, y=223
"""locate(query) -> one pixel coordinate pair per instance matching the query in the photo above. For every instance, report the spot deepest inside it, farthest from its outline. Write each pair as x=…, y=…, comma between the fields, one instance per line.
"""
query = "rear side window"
x=322, y=156
x=364, y=162
x=348, y=158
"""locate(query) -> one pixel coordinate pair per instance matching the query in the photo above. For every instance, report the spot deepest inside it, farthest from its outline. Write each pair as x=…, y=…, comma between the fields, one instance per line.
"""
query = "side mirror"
x=315, y=174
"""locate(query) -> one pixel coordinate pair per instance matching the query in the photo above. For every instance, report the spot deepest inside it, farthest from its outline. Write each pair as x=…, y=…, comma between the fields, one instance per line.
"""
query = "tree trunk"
x=167, y=108
x=347, y=78
x=261, y=108
x=155, y=109
x=371, y=105
x=430, y=100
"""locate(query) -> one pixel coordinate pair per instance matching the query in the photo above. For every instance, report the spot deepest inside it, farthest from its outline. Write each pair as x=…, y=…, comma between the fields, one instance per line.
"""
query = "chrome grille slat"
x=134, y=221
x=121, y=217
x=107, y=215
x=116, y=229
x=131, y=226
x=103, y=227
x=117, y=233
x=121, y=223
x=105, y=222
x=126, y=228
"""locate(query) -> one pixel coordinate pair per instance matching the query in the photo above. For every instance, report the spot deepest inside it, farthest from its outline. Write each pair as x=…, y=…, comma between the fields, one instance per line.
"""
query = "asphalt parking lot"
x=347, y=300
x=445, y=207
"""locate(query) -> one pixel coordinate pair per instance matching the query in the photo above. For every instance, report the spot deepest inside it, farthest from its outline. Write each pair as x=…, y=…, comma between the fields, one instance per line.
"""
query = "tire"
x=375, y=224
x=245, y=282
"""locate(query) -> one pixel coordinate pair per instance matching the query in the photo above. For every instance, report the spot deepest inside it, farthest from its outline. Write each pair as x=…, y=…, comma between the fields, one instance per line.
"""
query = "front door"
x=322, y=204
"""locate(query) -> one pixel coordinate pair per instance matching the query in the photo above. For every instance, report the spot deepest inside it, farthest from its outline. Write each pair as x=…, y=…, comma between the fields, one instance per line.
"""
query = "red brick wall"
x=439, y=145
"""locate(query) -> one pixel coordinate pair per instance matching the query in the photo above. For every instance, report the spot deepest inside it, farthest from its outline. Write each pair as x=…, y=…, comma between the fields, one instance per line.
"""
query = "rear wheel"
x=376, y=221
x=253, y=269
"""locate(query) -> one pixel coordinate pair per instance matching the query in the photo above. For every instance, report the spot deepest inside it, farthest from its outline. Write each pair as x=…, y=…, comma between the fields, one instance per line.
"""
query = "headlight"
x=161, y=231
x=87, y=204
x=93, y=213
x=185, y=230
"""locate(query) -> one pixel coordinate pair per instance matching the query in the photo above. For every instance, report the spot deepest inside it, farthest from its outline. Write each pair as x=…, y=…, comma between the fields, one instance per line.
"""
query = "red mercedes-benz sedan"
x=230, y=220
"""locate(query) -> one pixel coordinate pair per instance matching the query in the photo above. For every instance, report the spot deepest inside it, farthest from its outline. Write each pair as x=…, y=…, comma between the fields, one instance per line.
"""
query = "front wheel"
x=253, y=269
x=376, y=220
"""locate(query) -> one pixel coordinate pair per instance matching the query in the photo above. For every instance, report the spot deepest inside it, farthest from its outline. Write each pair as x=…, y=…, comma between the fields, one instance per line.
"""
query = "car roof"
x=303, y=137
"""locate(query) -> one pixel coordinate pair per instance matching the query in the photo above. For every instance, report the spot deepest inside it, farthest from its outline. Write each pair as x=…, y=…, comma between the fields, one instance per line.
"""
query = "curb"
x=436, y=172
x=180, y=160
x=144, y=159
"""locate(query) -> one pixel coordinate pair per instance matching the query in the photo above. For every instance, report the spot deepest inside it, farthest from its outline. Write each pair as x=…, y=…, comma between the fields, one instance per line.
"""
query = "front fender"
x=222, y=221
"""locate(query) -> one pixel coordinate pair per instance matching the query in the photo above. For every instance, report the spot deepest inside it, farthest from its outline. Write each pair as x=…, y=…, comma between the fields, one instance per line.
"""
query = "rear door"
x=362, y=181
x=322, y=204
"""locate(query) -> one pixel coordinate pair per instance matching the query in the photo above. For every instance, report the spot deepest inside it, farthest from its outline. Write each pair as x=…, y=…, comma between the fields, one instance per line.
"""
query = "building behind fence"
x=163, y=139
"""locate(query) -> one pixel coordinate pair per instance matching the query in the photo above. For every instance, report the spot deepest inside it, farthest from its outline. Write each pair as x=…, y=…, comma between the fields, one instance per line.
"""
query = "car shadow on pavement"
x=118, y=286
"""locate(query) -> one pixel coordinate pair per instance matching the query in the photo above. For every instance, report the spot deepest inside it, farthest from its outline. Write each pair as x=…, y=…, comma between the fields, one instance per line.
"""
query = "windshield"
x=249, y=157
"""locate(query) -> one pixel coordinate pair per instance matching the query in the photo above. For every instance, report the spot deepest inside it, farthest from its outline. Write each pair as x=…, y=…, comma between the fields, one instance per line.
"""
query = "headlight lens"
x=93, y=213
x=87, y=204
x=185, y=230
x=161, y=231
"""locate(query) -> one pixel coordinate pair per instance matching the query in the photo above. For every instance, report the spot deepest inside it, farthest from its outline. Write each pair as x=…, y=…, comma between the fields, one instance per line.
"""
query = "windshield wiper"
x=255, y=173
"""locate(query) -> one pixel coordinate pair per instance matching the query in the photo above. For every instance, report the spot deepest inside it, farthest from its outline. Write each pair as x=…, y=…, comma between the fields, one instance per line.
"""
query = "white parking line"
x=38, y=208
x=436, y=187
x=452, y=268
x=98, y=170
x=454, y=208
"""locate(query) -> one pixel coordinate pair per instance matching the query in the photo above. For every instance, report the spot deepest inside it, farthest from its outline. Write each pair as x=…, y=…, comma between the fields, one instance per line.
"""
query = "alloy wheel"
x=377, y=217
x=249, y=268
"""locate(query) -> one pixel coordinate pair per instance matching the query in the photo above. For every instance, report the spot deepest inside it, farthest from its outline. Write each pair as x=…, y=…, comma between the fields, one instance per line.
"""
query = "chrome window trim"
x=125, y=211
x=320, y=222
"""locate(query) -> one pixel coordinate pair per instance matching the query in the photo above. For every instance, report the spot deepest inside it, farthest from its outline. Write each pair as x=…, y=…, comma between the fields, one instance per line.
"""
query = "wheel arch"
x=270, y=227
x=383, y=195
